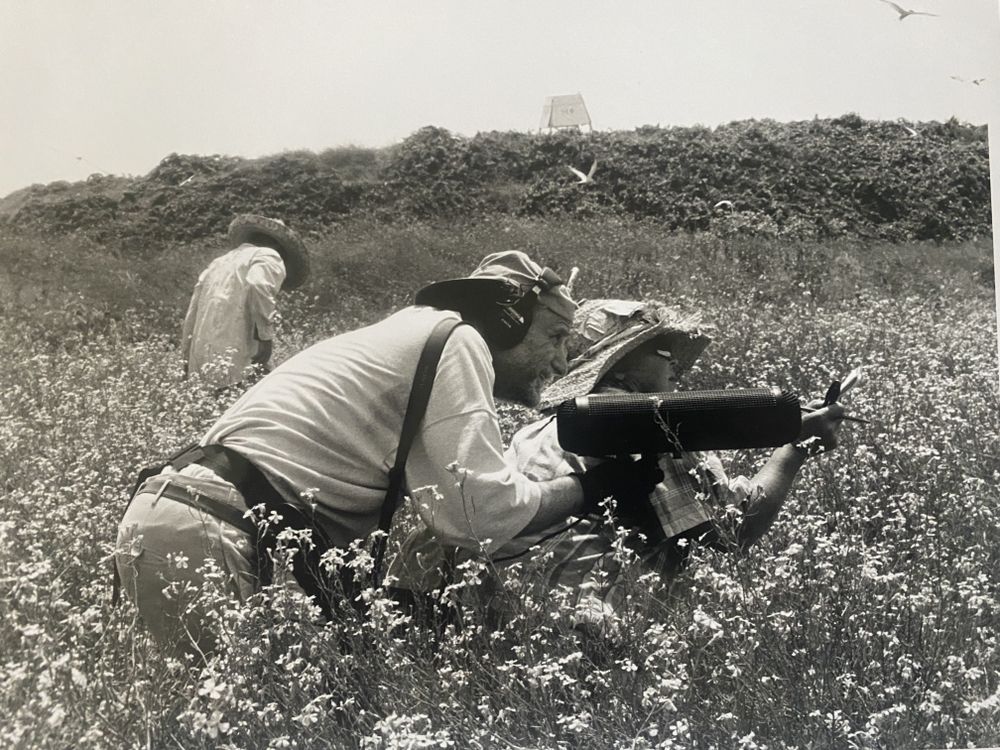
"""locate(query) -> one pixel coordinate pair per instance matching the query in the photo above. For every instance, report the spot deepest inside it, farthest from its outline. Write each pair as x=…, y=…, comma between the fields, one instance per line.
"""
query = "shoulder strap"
x=420, y=394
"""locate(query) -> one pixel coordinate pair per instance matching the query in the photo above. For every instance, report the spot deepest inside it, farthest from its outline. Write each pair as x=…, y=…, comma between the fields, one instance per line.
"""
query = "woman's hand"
x=820, y=427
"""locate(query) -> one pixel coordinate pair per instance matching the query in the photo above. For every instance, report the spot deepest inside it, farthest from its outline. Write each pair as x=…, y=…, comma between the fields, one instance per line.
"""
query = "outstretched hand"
x=820, y=428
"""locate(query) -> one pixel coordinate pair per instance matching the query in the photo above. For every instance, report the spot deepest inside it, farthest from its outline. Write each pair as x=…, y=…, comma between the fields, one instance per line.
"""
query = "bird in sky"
x=584, y=178
x=904, y=12
x=974, y=81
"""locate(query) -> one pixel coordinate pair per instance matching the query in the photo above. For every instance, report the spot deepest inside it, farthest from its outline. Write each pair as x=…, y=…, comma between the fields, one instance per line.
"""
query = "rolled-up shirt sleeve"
x=264, y=279
x=461, y=484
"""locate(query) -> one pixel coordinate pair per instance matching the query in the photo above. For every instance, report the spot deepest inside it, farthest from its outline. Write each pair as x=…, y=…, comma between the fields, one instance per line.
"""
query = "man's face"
x=523, y=371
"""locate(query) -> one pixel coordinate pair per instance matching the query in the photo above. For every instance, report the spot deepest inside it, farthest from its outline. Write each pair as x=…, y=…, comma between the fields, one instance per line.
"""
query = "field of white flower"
x=867, y=618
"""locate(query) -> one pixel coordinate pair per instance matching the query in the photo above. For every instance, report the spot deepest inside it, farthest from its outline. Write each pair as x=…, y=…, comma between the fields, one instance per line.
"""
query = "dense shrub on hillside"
x=427, y=176
x=292, y=185
x=821, y=178
x=192, y=197
x=812, y=179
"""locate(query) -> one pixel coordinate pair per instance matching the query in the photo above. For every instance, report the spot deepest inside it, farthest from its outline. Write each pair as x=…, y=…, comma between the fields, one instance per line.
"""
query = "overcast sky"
x=116, y=85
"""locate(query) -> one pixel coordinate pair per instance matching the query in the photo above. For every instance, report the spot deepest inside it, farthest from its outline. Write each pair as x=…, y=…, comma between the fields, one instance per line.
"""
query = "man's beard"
x=509, y=387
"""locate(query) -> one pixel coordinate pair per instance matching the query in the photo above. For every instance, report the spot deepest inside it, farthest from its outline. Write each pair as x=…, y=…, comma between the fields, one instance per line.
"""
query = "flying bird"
x=904, y=12
x=974, y=81
x=584, y=178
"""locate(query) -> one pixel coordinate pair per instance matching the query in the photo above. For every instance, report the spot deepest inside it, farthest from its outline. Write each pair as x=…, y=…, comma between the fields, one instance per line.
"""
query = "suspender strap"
x=420, y=394
x=256, y=488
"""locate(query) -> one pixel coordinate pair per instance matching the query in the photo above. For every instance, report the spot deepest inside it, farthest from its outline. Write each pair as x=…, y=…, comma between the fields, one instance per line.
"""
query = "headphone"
x=506, y=325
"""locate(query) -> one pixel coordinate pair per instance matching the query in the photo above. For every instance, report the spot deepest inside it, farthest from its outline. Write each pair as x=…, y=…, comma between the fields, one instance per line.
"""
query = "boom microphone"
x=627, y=423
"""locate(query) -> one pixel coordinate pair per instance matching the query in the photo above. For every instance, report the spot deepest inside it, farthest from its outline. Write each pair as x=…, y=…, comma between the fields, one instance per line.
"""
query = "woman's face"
x=648, y=369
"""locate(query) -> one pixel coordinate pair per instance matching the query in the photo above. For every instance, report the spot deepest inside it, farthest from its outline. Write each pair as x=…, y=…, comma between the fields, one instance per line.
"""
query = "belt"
x=169, y=487
x=256, y=489
x=227, y=464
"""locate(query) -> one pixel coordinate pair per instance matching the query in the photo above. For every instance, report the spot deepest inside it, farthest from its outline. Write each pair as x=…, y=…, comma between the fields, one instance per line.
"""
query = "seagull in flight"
x=974, y=81
x=584, y=178
x=904, y=12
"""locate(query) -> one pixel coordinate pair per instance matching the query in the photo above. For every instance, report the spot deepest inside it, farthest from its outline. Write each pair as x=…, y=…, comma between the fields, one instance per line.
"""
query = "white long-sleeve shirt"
x=325, y=426
x=231, y=309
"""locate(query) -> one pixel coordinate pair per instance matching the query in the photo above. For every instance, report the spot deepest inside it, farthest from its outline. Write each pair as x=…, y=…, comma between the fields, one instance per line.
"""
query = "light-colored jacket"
x=232, y=308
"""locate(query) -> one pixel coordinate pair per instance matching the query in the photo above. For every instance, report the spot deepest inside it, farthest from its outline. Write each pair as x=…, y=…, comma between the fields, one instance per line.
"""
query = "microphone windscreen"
x=627, y=423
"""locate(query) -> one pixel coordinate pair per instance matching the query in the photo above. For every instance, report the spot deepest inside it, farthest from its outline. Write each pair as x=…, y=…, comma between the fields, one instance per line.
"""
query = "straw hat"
x=288, y=244
x=605, y=330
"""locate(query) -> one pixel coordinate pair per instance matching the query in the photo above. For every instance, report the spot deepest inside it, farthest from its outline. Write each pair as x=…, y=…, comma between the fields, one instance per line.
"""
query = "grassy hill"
x=818, y=179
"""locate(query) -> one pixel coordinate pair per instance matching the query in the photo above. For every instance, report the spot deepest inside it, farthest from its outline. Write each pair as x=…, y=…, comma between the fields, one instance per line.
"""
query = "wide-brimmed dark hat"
x=605, y=330
x=499, y=279
x=288, y=244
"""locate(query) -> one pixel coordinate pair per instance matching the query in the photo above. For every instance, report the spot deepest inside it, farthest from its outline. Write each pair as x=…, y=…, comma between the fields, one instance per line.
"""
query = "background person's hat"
x=288, y=244
x=605, y=330
x=500, y=278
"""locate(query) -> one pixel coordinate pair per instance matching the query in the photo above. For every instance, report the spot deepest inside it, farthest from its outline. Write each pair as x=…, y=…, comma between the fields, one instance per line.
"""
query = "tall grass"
x=867, y=618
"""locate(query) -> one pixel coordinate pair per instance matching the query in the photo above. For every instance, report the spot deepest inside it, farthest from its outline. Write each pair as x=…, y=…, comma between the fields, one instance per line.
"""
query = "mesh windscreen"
x=614, y=424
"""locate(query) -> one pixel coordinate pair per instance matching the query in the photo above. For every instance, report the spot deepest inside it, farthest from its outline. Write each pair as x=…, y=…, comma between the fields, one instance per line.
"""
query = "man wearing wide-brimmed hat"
x=319, y=436
x=230, y=321
x=637, y=347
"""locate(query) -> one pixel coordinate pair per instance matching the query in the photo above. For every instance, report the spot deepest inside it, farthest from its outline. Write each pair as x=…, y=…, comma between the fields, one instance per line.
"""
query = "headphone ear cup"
x=505, y=327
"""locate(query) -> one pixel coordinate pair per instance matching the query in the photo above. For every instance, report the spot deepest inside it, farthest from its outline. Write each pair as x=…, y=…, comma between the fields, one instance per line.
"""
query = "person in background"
x=229, y=324
x=626, y=346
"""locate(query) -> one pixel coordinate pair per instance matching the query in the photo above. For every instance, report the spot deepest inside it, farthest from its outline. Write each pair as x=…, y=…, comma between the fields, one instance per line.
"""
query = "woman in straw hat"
x=632, y=346
x=230, y=320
